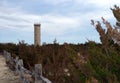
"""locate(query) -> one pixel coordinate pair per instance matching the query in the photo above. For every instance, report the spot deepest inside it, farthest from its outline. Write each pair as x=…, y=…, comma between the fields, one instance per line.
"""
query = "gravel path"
x=6, y=75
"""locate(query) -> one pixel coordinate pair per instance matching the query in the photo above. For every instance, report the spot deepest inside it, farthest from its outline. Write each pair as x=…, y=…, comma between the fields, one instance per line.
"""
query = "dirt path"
x=6, y=75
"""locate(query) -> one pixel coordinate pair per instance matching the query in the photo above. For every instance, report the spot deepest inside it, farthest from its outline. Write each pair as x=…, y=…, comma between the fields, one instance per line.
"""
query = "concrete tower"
x=37, y=34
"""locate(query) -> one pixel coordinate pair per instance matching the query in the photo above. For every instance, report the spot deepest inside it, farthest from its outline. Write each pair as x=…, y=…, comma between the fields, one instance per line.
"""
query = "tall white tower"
x=37, y=34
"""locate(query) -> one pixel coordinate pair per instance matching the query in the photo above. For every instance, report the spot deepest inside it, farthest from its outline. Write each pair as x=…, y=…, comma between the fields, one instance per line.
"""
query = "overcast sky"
x=65, y=20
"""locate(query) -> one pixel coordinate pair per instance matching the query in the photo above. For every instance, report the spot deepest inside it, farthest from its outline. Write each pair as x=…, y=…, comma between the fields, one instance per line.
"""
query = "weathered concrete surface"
x=6, y=75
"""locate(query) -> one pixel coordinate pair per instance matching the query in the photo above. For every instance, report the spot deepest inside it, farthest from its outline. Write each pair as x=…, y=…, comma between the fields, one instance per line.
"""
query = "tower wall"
x=37, y=34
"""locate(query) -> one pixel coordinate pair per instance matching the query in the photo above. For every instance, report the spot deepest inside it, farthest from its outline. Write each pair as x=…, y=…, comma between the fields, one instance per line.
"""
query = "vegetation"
x=82, y=63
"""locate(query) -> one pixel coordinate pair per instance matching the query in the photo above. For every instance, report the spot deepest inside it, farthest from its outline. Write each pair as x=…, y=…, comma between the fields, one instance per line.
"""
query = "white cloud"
x=13, y=18
x=55, y=2
x=55, y=24
x=52, y=24
x=104, y=2
x=24, y=21
x=99, y=3
x=59, y=24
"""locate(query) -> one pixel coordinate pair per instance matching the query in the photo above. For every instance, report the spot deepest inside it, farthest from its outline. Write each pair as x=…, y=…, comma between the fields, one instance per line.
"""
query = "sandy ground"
x=6, y=75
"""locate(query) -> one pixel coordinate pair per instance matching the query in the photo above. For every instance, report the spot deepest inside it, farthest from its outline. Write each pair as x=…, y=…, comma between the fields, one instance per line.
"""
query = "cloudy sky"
x=65, y=20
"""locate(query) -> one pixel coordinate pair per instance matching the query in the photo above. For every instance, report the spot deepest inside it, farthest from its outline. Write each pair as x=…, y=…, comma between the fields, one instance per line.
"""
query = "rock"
x=6, y=75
